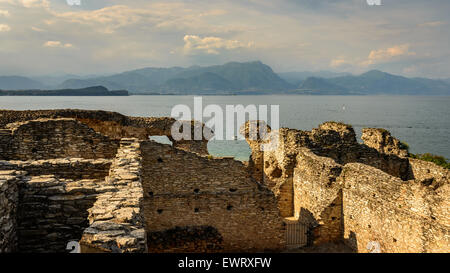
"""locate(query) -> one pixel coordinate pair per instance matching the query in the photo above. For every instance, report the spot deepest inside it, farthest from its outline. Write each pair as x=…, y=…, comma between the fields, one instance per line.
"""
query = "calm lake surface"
x=421, y=121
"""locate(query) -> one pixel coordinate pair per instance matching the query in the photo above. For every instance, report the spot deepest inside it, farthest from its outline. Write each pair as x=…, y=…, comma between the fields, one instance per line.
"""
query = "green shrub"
x=403, y=145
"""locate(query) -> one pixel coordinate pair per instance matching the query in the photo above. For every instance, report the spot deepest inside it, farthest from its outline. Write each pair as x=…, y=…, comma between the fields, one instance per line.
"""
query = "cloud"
x=57, y=44
x=4, y=13
x=35, y=3
x=384, y=55
x=339, y=61
x=211, y=45
x=37, y=29
x=432, y=24
x=4, y=28
x=28, y=3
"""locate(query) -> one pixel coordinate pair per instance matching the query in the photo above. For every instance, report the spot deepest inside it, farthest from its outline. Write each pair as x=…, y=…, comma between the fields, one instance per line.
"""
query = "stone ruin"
x=95, y=177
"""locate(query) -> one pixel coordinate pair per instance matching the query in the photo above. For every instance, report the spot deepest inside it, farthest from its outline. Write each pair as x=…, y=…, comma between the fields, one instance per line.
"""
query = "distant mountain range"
x=296, y=78
x=230, y=78
x=18, y=83
x=239, y=78
x=376, y=82
x=89, y=91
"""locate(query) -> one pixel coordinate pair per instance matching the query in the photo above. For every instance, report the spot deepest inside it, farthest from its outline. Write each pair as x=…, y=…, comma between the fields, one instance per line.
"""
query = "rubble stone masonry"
x=94, y=177
x=183, y=189
x=9, y=200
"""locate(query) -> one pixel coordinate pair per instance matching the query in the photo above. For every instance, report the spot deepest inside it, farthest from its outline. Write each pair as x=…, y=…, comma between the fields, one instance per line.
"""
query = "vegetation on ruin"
x=436, y=159
x=404, y=146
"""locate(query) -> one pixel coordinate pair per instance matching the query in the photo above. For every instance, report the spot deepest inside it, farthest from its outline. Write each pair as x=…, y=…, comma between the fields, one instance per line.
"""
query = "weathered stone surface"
x=382, y=141
x=359, y=193
x=9, y=200
x=64, y=178
x=185, y=189
x=116, y=218
x=55, y=138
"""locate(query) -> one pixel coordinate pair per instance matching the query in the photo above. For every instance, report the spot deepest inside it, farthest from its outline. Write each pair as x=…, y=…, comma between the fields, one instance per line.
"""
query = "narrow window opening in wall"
x=333, y=218
x=34, y=150
x=161, y=139
x=196, y=210
x=150, y=194
x=196, y=190
x=262, y=209
x=160, y=160
x=229, y=207
x=159, y=211
x=233, y=190
x=369, y=226
x=394, y=240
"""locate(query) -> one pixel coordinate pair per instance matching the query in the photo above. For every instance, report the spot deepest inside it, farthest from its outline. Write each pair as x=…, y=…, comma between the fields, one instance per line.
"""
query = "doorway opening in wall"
x=161, y=139
x=296, y=234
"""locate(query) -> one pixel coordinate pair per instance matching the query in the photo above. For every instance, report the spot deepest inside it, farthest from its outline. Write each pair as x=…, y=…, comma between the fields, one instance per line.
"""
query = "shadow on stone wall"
x=191, y=239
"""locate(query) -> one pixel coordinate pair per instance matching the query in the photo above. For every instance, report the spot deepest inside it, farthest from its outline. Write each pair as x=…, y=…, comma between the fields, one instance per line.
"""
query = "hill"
x=378, y=82
x=321, y=86
x=18, y=83
x=233, y=76
x=296, y=78
x=90, y=91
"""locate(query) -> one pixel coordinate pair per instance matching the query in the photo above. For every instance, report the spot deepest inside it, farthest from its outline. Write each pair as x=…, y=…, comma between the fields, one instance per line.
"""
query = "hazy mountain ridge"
x=244, y=78
x=89, y=91
x=19, y=83
x=314, y=85
x=297, y=78
x=378, y=82
x=233, y=76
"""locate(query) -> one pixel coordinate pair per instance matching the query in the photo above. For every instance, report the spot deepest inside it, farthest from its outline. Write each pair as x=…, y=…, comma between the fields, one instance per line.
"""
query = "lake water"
x=421, y=121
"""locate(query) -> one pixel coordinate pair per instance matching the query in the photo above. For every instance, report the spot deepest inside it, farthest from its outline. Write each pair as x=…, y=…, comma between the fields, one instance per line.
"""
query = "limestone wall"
x=116, y=220
x=318, y=196
x=184, y=189
x=204, y=239
x=56, y=138
x=382, y=141
x=428, y=172
x=111, y=124
x=53, y=211
x=279, y=164
x=9, y=198
x=401, y=216
x=71, y=168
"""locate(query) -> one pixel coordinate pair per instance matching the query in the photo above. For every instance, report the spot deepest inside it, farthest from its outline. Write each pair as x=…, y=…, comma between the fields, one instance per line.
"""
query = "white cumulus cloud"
x=383, y=55
x=57, y=44
x=4, y=13
x=211, y=45
x=4, y=28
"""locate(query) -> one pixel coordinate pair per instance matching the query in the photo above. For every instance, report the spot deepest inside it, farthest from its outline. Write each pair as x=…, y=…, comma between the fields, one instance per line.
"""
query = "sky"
x=56, y=37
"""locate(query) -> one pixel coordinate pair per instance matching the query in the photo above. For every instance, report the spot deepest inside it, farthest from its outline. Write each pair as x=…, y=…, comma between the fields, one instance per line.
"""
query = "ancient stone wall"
x=204, y=239
x=400, y=216
x=116, y=219
x=9, y=200
x=56, y=138
x=382, y=141
x=71, y=168
x=112, y=125
x=183, y=189
x=53, y=211
x=428, y=172
x=53, y=199
x=318, y=196
x=279, y=164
